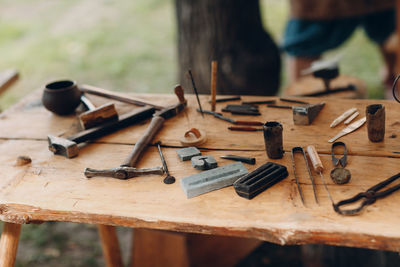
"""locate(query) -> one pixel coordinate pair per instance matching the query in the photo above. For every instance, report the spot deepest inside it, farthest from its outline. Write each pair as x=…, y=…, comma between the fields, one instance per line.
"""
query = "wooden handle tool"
x=155, y=125
x=214, y=65
x=115, y=95
x=180, y=94
x=317, y=165
x=315, y=160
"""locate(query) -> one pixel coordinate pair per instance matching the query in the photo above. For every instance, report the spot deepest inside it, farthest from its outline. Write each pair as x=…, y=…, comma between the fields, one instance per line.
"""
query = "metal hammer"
x=68, y=147
x=155, y=125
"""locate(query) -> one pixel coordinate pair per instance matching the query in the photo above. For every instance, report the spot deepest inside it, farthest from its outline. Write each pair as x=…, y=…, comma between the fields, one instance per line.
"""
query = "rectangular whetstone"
x=211, y=180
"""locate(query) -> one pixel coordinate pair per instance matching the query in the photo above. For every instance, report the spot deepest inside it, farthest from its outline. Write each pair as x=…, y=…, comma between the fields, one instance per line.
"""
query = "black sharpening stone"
x=252, y=184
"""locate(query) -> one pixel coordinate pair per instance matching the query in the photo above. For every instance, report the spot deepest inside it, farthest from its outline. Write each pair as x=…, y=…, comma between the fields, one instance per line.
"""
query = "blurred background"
x=124, y=46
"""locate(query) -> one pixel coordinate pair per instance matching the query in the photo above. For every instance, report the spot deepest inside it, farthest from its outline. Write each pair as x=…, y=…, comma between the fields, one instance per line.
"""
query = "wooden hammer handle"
x=115, y=95
x=153, y=128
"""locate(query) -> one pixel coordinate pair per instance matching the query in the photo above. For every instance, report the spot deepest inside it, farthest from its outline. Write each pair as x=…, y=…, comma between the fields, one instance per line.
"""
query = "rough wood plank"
x=215, y=251
x=54, y=188
x=158, y=249
x=180, y=249
x=9, y=244
x=13, y=125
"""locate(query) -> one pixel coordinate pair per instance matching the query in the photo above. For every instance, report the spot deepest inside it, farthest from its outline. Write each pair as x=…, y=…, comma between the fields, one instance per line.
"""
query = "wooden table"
x=53, y=188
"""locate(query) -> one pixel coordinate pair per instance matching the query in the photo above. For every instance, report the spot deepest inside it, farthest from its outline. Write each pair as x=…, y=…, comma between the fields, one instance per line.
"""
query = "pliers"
x=371, y=195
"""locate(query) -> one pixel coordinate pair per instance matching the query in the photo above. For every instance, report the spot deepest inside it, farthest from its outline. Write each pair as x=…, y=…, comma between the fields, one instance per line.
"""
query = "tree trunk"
x=231, y=32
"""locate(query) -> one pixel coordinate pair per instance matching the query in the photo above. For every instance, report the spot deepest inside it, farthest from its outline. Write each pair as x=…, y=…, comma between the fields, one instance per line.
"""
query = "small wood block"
x=98, y=116
x=187, y=153
x=23, y=160
x=211, y=180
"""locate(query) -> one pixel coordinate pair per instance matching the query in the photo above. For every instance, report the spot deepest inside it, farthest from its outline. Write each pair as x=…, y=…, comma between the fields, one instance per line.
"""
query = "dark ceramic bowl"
x=61, y=97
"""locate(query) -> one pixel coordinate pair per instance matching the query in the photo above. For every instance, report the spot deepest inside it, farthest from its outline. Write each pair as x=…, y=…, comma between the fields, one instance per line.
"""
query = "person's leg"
x=305, y=41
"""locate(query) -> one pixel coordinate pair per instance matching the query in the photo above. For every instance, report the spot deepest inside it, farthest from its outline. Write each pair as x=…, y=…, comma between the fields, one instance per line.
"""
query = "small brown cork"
x=23, y=160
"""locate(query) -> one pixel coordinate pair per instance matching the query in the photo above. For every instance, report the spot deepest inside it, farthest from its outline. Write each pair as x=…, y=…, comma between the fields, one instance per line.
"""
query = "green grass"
x=121, y=45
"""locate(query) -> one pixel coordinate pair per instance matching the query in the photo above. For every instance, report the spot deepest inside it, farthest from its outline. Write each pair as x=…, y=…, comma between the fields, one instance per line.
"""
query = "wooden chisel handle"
x=249, y=123
x=153, y=128
x=315, y=160
x=244, y=129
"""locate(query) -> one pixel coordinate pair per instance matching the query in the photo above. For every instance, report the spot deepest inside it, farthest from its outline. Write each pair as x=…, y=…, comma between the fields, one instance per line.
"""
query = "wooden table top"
x=53, y=188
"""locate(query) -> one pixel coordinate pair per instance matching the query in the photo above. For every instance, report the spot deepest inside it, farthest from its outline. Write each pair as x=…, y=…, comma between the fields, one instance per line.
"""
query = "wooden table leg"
x=9, y=244
x=163, y=248
x=110, y=245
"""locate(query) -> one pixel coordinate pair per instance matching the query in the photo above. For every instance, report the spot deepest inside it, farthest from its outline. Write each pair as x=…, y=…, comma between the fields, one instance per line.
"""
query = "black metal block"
x=252, y=184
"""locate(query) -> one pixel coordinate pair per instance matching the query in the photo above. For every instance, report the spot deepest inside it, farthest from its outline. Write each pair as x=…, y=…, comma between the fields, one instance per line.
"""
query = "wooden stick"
x=9, y=244
x=110, y=245
x=8, y=78
x=214, y=66
x=89, y=89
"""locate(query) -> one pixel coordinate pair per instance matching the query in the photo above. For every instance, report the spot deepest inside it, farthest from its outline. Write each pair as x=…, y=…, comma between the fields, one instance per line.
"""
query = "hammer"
x=68, y=147
x=127, y=170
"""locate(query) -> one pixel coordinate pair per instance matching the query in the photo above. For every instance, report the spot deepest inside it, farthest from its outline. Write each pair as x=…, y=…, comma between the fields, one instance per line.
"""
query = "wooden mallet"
x=96, y=116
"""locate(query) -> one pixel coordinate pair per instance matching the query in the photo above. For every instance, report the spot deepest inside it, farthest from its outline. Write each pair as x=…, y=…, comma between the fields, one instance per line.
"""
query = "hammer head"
x=62, y=146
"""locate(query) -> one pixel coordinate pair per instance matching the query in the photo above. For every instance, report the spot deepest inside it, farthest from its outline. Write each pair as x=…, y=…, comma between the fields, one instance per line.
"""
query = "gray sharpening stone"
x=211, y=180
x=187, y=153
x=204, y=162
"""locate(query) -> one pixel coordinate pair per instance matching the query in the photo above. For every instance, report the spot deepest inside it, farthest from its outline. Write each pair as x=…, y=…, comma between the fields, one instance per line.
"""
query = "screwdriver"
x=317, y=165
